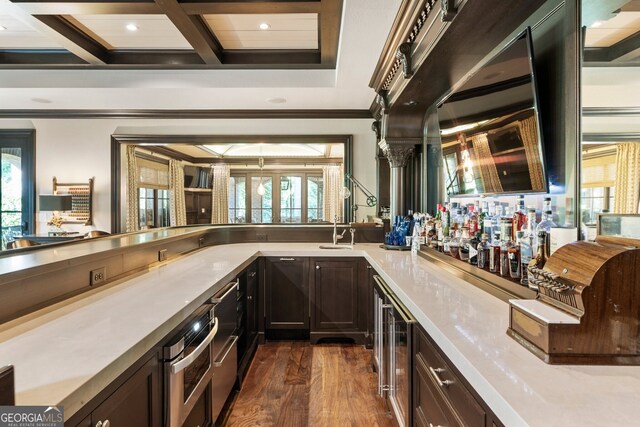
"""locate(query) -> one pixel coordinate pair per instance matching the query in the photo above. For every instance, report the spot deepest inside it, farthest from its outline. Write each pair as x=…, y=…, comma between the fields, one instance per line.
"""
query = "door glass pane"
x=315, y=194
x=146, y=201
x=10, y=194
x=291, y=199
x=163, y=208
x=261, y=206
x=237, y=199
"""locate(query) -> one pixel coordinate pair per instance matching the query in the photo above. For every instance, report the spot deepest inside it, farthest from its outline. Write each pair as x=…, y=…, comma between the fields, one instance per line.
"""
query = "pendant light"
x=260, y=190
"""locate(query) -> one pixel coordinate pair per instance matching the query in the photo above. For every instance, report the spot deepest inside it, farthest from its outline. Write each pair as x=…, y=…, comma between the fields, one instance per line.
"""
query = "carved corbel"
x=448, y=11
x=382, y=100
x=375, y=127
x=404, y=55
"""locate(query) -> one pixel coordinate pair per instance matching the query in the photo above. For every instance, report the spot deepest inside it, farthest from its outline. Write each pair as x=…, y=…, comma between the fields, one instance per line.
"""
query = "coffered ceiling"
x=234, y=34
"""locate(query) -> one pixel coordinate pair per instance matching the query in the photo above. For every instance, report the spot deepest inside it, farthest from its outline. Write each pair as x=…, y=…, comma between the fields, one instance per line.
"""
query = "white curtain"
x=333, y=179
x=132, y=221
x=177, y=209
x=627, y=190
x=220, y=194
x=529, y=135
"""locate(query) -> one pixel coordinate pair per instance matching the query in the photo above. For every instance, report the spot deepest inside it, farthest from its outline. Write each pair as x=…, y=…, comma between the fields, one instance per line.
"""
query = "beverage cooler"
x=393, y=350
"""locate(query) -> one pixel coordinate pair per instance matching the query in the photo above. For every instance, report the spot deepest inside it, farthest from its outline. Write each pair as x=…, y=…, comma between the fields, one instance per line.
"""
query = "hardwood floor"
x=296, y=384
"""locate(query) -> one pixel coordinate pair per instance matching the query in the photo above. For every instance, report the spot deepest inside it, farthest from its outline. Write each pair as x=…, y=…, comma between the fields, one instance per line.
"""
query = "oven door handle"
x=204, y=345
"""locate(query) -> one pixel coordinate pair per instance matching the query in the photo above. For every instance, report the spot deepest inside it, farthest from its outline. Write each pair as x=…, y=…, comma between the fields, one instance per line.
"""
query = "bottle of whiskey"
x=545, y=225
x=519, y=217
x=540, y=259
x=514, y=257
x=494, y=254
x=483, y=250
x=463, y=249
x=454, y=244
x=506, y=231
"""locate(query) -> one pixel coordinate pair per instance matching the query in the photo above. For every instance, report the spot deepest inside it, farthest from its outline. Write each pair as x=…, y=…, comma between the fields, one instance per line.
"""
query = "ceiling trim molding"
x=610, y=111
x=237, y=7
x=625, y=50
x=184, y=114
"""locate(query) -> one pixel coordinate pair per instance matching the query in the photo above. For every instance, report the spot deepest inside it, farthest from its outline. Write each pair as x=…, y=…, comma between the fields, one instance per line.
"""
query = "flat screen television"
x=490, y=128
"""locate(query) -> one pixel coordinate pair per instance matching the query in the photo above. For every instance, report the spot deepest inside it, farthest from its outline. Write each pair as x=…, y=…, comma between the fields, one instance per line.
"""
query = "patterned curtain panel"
x=220, y=195
x=529, y=134
x=177, y=209
x=132, y=222
x=333, y=179
x=627, y=190
x=485, y=164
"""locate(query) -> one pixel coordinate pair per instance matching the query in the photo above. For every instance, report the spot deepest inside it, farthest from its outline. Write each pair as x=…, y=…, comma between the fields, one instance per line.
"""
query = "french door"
x=17, y=184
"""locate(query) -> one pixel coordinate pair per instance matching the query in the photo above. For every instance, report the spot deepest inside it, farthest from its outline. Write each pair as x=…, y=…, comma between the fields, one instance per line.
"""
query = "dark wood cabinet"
x=368, y=303
x=338, y=308
x=198, y=206
x=247, y=319
x=286, y=293
x=137, y=402
x=441, y=395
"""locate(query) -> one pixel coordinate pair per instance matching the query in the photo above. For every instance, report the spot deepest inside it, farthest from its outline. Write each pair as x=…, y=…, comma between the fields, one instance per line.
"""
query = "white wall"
x=74, y=150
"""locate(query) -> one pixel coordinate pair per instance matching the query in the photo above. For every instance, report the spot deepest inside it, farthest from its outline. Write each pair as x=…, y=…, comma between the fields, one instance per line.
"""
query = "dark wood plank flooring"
x=296, y=384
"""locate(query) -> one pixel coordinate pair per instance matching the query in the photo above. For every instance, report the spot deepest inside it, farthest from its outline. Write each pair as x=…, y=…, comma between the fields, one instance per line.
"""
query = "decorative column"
x=398, y=155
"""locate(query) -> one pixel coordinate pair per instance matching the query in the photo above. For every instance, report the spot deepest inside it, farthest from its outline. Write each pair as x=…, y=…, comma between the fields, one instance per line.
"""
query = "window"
x=154, y=208
x=237, y=200
x=594, y=201
x=298, y=197
x=17, y=184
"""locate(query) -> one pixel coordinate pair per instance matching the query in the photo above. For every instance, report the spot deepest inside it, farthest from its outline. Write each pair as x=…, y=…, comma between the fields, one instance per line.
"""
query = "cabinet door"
x=204, y=208
x=287, y=293
x=252, y=302
x=335, y=295
x=137, y=402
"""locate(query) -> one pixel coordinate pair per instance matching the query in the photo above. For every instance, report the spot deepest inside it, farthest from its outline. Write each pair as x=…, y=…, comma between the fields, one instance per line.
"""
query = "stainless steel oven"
x=393, y=350
x=224, y=348
x=188, y=365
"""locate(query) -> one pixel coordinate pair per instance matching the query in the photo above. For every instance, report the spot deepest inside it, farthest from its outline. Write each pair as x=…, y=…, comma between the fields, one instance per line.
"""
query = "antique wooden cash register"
x=588, y=307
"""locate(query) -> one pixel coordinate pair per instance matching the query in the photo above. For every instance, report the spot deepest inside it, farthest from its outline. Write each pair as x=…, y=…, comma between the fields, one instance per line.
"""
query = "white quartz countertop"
x=67, y=355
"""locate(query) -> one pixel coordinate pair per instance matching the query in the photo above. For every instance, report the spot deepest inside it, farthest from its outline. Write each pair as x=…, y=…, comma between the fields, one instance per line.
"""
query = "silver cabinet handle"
x=104, y=423
x=369, y=267
x=287, y=259
x=225, y=291
x=250, y=297
x=431, y=425
x=219, y=362
x=252, y=274
x=317, y=267
x=440, y=382
x=183, y=363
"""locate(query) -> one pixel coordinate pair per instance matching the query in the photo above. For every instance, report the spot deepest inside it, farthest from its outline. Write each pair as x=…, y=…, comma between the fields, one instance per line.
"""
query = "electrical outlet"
x=98, y=276
x=162, y=255
x=261, y=237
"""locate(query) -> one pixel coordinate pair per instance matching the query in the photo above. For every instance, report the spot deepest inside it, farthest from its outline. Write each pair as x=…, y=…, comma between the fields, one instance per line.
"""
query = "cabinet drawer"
x=430, y=408
x=440, y=372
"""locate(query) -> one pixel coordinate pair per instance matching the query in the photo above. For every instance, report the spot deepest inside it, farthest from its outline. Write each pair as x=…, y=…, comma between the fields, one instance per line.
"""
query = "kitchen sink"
x=336, y=247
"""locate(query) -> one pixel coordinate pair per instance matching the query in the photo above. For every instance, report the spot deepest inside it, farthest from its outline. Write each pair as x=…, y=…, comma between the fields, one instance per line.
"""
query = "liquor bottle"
x=494, y=254
x=506, y=231
x=446, y=220
x=541, y=254
x=438, y=212
x=440, y=237
x=514, y=257
x=474, y=220
x=495, y=221
x=546, y=205
x=487, y=222
x=483, y=250
x=465, y=216
x=483, y=214
x=431, y=232
x=519, y=217
x=463, y=248
x=454, y=244
x=473, y=250
x=545, y=225
x=458, y=219
x=526, y=253
x=446, y=247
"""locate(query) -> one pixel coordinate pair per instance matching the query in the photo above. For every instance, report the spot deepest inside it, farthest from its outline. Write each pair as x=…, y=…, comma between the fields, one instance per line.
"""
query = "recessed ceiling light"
x=276, y=100
x=2, y=28
x=42, y=100
x=596, y=24
x=132, y=27
x=264, y=26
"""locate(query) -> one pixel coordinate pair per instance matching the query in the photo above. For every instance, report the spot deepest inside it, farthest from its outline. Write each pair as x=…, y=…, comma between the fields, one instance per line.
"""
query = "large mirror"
x=610, y=110
x=232, y=180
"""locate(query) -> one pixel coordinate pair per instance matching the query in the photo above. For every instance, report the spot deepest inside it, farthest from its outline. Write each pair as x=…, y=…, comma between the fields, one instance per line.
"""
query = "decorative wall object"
x=81, y=204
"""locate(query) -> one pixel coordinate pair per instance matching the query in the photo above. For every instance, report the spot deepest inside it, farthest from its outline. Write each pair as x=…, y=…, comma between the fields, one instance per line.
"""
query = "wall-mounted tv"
x=490, y=128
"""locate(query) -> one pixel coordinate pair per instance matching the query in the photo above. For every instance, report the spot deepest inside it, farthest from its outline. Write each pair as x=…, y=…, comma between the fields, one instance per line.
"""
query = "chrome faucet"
x=353, y=236
x=337, y=237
